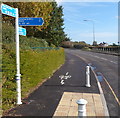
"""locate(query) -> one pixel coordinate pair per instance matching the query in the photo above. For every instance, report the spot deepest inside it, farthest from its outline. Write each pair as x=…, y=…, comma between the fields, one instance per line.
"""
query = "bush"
x=28, y=42
x=8, y=33
x=35, y=67
x=39, y=67
x=8, y=37
x=79, y=46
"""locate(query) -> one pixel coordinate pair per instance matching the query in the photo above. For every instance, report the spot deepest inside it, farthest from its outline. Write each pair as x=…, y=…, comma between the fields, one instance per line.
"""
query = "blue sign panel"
x=30, y=21
x=22, y=31
x=5, y=9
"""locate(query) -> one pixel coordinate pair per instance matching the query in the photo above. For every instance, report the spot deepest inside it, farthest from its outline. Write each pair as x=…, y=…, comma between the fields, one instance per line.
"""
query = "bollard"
x=81, y=108
x=87, y=76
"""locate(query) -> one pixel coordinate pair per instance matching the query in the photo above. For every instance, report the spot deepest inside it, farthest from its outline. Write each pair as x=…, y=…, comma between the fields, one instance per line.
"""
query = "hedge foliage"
x=36, y=65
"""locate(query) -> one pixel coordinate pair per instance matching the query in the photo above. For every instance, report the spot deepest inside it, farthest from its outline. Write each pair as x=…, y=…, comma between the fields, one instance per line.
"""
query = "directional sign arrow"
x=30, y=21
x=22, y=31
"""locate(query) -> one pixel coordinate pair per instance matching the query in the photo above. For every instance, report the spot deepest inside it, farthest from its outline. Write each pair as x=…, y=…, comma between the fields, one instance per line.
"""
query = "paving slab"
x=69, y=107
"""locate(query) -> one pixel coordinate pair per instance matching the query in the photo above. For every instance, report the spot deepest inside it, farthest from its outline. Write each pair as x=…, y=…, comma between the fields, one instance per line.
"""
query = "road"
x=106, y=68
x=71, y=78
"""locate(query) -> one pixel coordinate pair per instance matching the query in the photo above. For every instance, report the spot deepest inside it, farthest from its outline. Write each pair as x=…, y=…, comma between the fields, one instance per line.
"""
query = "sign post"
x=5, y=9
x=18, y=79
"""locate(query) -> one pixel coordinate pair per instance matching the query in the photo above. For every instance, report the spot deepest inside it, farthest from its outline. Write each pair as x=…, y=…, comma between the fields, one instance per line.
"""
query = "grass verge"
x=35, y=65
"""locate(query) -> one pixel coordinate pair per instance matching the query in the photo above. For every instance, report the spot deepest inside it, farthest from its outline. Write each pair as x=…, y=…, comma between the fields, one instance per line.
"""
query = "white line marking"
x=104, y=59
x=102, y=96
x=113, y=62
x=62, y=82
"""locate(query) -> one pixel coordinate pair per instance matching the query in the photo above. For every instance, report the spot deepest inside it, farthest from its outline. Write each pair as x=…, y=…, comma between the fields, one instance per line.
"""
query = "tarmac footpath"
x=58, y=95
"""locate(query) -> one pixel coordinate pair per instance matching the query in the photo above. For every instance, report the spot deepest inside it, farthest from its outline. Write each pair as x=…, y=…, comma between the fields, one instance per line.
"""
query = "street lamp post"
x=93, y=28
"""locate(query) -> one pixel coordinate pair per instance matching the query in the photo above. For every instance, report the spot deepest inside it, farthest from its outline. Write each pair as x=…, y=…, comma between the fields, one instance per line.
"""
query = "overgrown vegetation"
x=53, y=28
x=36, y=64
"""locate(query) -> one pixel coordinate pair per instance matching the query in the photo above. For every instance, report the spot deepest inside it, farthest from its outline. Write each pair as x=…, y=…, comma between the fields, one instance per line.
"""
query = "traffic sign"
x=22, y=31
x=5, y=9
x=30, y=21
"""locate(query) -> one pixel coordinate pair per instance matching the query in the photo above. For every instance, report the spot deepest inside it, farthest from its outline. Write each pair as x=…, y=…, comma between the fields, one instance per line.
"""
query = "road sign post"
x=5, y=9
x=18, y=79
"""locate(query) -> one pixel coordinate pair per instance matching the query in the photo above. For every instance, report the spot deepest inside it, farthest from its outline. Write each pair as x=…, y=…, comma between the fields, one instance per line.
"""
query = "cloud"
x=59, y=2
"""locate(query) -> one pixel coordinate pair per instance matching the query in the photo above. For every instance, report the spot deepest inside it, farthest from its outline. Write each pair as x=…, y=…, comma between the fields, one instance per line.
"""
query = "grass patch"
x=36, y=65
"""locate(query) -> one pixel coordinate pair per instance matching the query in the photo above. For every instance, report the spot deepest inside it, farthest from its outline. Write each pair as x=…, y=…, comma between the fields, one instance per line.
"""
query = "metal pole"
x=93, y=32
x=88, y=76
x=93, y=29
x=18, y=80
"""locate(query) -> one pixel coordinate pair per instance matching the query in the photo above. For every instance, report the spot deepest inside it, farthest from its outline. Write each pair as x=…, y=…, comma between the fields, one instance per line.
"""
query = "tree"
x=32, y=9
x=55, y=31
x=94, y=43
x=114, y=44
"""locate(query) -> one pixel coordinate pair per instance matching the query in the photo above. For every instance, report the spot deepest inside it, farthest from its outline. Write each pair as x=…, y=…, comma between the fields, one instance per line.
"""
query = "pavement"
x=68, y=80
x=68, y=107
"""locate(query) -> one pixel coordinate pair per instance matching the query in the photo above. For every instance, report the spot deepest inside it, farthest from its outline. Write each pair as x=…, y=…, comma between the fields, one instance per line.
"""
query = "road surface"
x=106, y=67
x=71, y=78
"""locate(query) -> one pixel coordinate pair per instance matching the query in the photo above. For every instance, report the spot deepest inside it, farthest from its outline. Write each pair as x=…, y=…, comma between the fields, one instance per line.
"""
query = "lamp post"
x=93, y=28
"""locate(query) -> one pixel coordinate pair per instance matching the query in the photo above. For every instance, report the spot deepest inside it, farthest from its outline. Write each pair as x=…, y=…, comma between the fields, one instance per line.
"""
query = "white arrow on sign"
x=22, y=31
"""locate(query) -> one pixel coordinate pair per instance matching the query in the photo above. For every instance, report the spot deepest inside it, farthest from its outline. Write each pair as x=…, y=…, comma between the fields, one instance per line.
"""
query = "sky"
x=104, y=15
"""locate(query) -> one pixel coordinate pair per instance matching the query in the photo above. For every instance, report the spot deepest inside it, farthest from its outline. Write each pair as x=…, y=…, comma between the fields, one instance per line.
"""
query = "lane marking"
x=103, y=59
x=100, y=88
x=104, y=79
x=112, y=91
x=102, y=96
x=116, y=98
x=82, y=58
x=113, y=62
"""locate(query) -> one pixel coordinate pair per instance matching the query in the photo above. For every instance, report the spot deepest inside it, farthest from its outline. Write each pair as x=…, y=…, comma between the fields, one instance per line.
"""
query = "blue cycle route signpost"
x=10, y=11
x=7, y=10
x=28, y=21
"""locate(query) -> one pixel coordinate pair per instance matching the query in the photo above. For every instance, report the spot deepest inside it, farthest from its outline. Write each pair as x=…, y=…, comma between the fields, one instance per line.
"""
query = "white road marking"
x=67, y=73
x=114, y=62
x=102, y=96
x=62, y=82
x=103, y=59
x=64, y=77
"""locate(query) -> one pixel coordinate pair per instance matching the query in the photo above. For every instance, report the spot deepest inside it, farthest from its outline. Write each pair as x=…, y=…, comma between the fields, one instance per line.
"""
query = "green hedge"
x=35, y=67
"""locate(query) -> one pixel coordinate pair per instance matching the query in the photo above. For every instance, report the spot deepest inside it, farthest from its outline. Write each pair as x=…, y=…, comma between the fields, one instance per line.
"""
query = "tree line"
x=53, y=28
